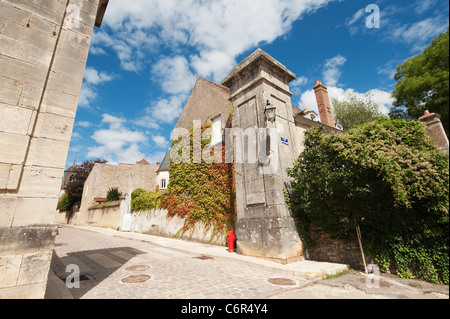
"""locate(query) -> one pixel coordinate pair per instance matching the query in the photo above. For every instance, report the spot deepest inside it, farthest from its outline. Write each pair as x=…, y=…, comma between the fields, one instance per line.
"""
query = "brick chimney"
x=158, y=164
x=323, y=102
x=433, y=125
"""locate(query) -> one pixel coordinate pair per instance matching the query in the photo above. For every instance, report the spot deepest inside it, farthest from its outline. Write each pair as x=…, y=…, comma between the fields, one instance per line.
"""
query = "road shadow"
x=94, y=266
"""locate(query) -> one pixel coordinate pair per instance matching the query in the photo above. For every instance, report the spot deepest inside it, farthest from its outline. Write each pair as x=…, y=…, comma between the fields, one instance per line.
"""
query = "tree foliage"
x=352, y=110
x=388, y=177
x=113, y=194
x=422, y=82
x=64, y=203
x=74, y=188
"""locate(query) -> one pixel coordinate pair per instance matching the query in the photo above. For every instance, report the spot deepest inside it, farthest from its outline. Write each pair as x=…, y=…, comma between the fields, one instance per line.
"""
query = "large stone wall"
x=126, y=177
x=43, y=52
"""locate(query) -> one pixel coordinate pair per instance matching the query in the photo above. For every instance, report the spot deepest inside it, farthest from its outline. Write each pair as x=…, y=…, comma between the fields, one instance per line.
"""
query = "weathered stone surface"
x=330, y=249
x=26, y=240
x=264, y=226
x=435, y=129
x=42, y=62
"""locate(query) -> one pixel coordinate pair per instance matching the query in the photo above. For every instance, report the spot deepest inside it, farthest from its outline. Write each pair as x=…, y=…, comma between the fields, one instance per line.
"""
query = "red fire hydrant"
x=231, y=237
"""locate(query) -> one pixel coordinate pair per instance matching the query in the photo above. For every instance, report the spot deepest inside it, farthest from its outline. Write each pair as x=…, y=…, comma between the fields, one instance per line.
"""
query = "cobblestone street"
x=105, y=261
x=113, y=267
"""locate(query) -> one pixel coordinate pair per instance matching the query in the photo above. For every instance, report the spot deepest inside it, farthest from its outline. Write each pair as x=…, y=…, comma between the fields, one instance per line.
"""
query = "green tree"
x=353, y=110
x=65, y=203
x=422, y=82
x=387, y=177
x=113, y=194
x=75, y=187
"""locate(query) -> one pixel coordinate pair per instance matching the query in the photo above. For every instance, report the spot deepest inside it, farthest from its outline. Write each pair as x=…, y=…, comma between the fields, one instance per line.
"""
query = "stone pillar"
x=264, y=225
x=433, y=125
x=43, y=52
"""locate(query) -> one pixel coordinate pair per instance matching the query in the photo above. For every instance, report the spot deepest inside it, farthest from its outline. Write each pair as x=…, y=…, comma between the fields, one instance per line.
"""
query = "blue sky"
x=146, y=57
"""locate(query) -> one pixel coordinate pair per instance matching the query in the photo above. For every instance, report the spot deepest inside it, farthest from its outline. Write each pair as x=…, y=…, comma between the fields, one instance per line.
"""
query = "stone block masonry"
x=264, y=225
x=44, y=47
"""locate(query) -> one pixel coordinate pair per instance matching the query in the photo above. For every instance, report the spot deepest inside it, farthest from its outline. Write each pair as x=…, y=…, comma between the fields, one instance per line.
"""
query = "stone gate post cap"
x=253, y=59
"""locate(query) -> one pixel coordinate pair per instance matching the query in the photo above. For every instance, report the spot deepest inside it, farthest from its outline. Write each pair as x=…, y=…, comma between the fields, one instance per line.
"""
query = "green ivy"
x=199, y=192
x=388, y=177
x=145, y=201
x=202, y=192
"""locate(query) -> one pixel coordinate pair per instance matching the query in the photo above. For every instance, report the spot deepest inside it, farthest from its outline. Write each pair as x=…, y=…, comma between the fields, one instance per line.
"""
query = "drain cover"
x=282, y=282
x=138, y=268
x=136, y=279
x=203, y=257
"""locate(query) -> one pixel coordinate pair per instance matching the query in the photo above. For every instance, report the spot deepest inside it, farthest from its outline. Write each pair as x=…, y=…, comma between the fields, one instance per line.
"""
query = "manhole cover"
x=86, y=277
x=135, y=279
x=282, y=282
x=204, y=257
x=138, y=268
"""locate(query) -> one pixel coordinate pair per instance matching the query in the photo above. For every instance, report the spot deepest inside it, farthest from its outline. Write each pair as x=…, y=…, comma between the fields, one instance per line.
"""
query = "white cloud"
x=382, y=98
x=424, y=5
x=174, y=75
x=331, y=72
x=419, y=33
x=84, y=124
x=205, y=37
x=117, y=144
x=92, y=78
x=296, y=85
x=168, y=109
x=160, y=140
x=87, y=96
x=208, y=27
x=358, y=14
x=148, y=122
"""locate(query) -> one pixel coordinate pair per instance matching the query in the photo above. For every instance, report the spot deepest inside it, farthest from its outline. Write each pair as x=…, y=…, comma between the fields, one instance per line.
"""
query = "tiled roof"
x=143, y=162
x=217, y=85
x=165, y=165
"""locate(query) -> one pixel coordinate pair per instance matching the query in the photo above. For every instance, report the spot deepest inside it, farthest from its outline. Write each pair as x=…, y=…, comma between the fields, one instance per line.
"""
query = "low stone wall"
x=156, y=222
x=336, y=250
x=109, y=216
x=153, y=222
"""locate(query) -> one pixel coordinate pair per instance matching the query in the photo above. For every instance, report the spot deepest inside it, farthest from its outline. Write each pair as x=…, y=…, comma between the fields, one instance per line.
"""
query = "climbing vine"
x=202, y=192
x=198, y=192
x=388, y=177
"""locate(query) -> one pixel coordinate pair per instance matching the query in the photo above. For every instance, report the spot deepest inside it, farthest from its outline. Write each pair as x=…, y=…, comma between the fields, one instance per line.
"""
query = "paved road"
x=119, y=268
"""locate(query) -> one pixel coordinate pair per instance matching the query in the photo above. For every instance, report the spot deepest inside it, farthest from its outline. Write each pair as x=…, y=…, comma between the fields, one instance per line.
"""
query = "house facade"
x=264, y=225
x=162, y=174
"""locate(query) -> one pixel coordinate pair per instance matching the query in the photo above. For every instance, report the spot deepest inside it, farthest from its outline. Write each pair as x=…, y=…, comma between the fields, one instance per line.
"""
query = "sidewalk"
x=56, y=289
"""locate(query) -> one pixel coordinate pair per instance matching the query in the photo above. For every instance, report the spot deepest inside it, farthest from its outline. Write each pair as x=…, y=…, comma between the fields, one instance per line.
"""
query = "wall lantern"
x=270, y=112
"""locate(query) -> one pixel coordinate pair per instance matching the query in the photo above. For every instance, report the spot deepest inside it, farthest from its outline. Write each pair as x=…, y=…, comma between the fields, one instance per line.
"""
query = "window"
x=216, y=130
x=163, y=184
